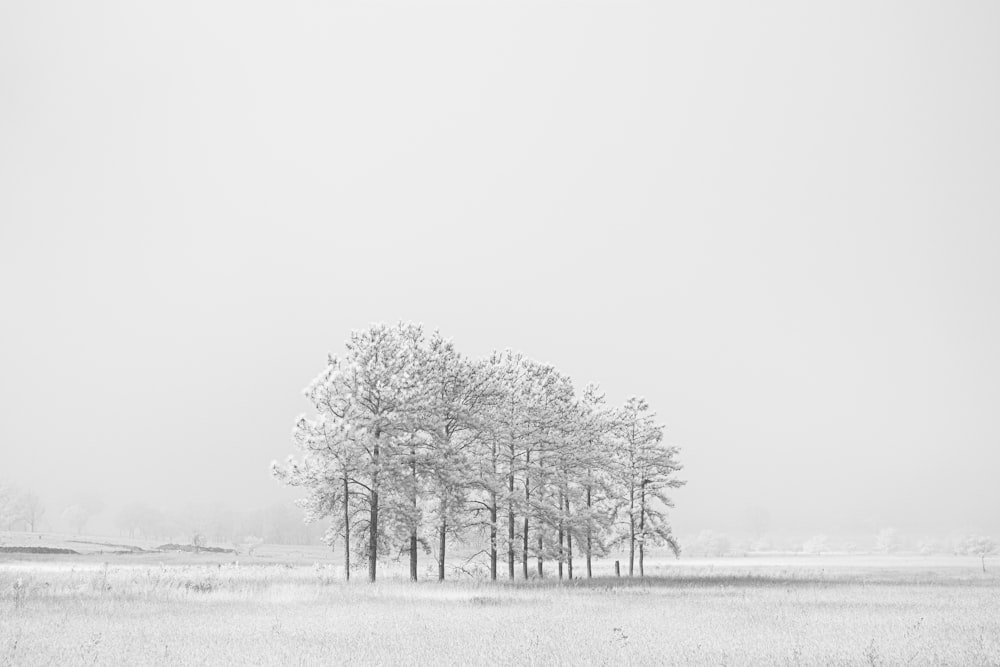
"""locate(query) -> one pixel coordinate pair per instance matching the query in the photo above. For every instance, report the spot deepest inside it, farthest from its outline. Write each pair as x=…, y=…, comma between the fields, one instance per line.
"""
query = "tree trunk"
x=541, y=573
x=642, y=527
x=493, y=515
x=373, y=514
x=561, y=536
x=524, y=556
x=442, y=543
x=373, y=537
x=527, y=505
x=510, y=527
x=631, y=541
x=569, y=544
x=590, y=544
x=413, y=554
x=413, y=526
x=347, y=534
x=493, y=536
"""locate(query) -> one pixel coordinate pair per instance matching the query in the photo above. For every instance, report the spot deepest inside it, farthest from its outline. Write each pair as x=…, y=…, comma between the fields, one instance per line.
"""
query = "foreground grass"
x=800, y=612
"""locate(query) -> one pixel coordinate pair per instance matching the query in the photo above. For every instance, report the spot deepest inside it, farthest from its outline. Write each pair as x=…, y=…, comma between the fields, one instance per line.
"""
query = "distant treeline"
x=216, y=523
x=412, y=444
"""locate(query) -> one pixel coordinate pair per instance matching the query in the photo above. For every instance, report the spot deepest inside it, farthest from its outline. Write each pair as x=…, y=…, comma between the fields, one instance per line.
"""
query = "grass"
x=131, y=609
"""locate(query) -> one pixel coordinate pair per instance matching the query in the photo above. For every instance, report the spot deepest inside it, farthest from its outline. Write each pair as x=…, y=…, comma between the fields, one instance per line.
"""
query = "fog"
x=780, y=225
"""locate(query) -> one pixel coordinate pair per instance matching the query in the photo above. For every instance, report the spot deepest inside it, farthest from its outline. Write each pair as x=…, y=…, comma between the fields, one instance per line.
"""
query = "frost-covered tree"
x=646, y=471
x=29, y=509
x=552, y=462
x=980, y=546
x=375, y=392
x=76, y=516
x=458, y=392
x=131, y=517
x=330, y=459
x=486, y=478
x=11, y=512
x=596, y=428
x=19, y=508
x=510, y=435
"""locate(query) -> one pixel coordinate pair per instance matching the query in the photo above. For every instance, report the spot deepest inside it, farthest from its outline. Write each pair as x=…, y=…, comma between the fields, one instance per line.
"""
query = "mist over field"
x=795, y=264
x=499, y=332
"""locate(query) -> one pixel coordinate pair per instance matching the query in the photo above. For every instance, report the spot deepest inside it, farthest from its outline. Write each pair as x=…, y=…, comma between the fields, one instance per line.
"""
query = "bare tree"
x=32, y=509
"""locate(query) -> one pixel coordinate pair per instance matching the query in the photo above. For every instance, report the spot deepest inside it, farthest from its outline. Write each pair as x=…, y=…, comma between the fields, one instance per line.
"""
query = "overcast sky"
x=780, y=224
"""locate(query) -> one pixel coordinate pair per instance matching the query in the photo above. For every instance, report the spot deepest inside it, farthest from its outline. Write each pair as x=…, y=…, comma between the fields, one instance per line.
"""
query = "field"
x=288, y=606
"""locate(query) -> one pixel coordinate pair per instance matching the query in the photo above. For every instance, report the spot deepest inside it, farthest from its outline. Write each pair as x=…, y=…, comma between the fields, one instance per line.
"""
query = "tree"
x=505, y=436
x=596, y=428
x=32, y=509
x=77, y=517
x=78, y=514
x=563, y=444
x=331, y=455
x=981, y=546
x=645, y=473
x=19, y=507
x=514, y=430
x=374, y=392
x=132, y=517
x=457, y=393
x=11, y=511
x=486, y=479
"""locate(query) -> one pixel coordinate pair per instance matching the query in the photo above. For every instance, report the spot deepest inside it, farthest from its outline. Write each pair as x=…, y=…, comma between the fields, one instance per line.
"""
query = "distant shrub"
x=817, y=544
x=928, y=546
x=708, y=543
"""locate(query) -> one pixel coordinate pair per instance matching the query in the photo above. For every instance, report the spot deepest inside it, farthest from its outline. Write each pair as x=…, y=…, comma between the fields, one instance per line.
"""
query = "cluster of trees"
x=412, y=443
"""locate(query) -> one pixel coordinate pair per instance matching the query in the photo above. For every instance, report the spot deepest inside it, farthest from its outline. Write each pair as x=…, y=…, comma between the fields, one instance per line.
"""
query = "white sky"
x=780, y=224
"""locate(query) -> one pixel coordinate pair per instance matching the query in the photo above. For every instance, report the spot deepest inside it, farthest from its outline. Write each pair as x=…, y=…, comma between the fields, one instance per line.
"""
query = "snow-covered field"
x=280, y=608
